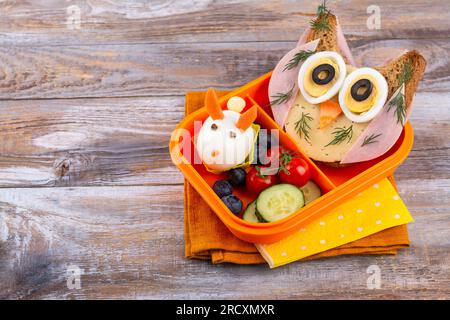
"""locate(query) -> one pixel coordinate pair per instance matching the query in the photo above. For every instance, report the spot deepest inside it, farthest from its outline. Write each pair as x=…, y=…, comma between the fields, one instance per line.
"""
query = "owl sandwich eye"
x=363, y=94
x=321, y=76
x=361, y=90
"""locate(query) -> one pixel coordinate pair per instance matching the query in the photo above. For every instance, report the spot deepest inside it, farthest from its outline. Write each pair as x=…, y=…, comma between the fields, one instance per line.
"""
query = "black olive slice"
x=325, y=68
x=362, y=84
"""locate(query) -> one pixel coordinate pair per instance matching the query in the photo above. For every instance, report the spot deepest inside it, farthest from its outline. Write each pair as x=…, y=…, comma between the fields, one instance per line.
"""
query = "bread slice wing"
x=402, y=75
x=327, y=33
x=393, y=70
x=328, y=30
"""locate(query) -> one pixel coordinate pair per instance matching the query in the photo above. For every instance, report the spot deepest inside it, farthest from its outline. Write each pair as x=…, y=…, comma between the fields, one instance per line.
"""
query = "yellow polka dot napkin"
x=375, y=209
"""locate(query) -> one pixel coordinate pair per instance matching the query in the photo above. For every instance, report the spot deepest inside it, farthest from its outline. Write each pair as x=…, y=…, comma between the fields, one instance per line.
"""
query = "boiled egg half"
x=321, y=76
x=363, y=94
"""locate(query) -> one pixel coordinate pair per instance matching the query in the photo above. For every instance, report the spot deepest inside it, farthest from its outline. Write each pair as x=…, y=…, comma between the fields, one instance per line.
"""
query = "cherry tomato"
x=295, y=171
x=259, y=179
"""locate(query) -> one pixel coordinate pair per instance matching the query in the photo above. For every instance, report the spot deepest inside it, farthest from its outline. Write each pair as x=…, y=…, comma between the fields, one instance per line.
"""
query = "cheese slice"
x=317, y=146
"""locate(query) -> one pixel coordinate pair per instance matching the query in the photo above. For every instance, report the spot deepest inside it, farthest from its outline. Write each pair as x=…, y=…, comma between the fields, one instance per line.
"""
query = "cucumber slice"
x=311, y=191
x=279, y=201
x=251, y=215
x=258, y=215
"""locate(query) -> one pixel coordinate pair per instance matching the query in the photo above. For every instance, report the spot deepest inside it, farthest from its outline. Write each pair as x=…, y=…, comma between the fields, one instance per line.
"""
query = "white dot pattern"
x=379, y=207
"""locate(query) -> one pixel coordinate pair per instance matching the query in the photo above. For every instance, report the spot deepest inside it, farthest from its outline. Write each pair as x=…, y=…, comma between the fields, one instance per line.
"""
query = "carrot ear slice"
x=212, y=105
x=247, y=118
x=329, y=110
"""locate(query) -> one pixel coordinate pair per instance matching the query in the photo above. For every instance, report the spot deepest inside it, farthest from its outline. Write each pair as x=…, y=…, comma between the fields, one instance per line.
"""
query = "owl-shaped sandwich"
x=339, y=113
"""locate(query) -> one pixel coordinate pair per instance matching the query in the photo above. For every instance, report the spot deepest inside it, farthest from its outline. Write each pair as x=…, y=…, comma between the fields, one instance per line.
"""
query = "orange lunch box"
x=338, y=184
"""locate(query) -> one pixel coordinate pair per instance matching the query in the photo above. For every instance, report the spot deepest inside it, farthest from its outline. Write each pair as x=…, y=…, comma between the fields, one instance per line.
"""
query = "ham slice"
x=343, y=45
x=284, y=81
x=384, y=129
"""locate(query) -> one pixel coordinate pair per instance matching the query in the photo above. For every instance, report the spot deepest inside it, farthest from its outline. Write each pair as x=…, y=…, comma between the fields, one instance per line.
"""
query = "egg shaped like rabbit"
x=226, y=137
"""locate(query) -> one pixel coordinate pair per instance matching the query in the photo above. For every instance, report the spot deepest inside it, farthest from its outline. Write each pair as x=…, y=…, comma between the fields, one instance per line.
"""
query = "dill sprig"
x=286, y=157
x=398, y=102
x=321, y=22
x=370, y=139
x=280, y=98
x=406, y=73
x=322, y=9
x=341, y=134
x=298, y=57
x=260, y=173
x=302, y=126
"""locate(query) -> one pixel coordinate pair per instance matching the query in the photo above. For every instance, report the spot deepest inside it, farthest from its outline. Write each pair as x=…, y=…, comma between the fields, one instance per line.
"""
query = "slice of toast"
x=394, y=68
x=328, y=36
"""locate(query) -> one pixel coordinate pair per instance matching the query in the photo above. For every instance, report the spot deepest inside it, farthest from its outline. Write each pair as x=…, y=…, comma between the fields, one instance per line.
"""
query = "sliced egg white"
x=341, y=73
x=382, y=93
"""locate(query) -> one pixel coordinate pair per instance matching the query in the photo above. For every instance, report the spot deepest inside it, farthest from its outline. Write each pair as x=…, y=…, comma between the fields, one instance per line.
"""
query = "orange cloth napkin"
x=206, y=237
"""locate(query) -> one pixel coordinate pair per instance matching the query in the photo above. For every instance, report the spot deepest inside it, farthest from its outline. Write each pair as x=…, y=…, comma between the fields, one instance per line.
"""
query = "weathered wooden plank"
x=128, y=238
x=129, y=242
x=172, y=69
x=49, y=22
x=88, y=142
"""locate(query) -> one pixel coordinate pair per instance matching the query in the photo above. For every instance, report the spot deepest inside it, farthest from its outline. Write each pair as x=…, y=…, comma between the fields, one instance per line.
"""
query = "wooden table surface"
x=85, y=118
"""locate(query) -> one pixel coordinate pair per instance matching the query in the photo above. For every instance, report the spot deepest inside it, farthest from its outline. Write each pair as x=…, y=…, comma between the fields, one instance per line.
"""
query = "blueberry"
x=233, y=203
x=237, y=176
x=222, y=188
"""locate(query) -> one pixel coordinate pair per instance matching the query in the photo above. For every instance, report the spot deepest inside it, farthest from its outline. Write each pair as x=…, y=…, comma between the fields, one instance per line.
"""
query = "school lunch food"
x=337, y=113
x=230, y=143
x=226, y=137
